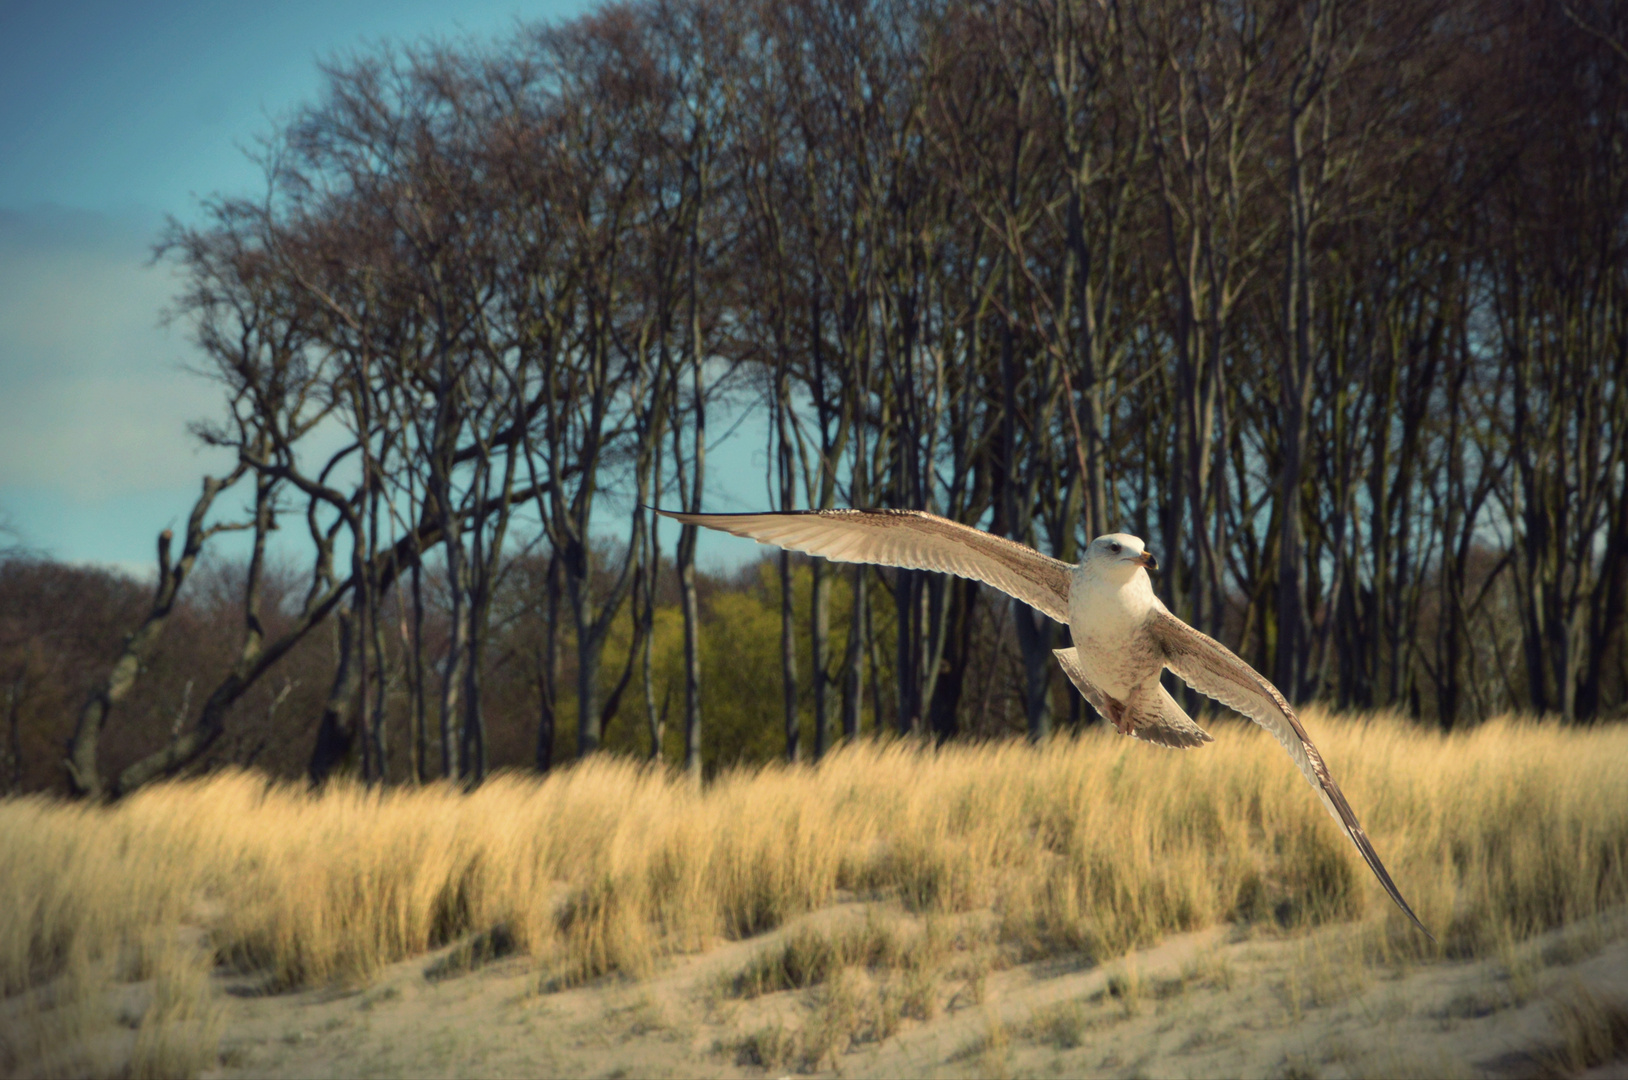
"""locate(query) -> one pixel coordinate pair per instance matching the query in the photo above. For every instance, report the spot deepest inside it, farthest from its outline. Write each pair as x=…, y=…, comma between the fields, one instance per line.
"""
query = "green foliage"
x=742, y=717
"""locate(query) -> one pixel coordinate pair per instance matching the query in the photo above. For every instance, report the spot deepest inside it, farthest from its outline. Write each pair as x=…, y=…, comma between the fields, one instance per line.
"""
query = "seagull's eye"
x=1115, y=547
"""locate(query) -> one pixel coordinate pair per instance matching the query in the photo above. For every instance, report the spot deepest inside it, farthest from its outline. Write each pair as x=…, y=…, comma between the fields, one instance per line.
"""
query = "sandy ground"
x=1200, y=1005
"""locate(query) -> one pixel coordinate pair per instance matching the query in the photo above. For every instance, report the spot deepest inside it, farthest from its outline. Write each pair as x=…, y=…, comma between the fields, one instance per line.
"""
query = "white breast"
x=1107, y=620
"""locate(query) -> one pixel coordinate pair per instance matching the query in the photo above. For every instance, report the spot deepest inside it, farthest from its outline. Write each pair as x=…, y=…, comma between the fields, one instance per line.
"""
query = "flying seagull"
x=1124, y=637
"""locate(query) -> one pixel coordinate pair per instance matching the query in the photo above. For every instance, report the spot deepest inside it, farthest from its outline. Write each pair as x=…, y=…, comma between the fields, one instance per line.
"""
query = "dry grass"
x=1592, y=1030
x=812, y=956
x=180, y=1030
x=169, y=1026
x=1063, y=1025
x=849, y=1009
x=64, y=1030
x=1090, y=846
x=991, y=1048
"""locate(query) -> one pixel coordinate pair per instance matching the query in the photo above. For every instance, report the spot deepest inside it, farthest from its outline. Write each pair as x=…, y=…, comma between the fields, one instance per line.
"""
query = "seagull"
x=1124, y=637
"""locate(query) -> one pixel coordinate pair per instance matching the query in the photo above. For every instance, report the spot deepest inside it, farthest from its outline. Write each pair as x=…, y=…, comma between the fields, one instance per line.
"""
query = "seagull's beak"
x=1146, y=559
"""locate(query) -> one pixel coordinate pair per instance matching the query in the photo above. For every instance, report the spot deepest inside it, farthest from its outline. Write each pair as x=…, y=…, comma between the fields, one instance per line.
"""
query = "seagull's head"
x=1119, y=556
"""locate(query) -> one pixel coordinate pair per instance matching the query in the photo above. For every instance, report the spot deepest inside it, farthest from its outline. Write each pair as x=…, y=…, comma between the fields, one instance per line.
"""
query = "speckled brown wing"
x=1216, y=671
x=911, y=539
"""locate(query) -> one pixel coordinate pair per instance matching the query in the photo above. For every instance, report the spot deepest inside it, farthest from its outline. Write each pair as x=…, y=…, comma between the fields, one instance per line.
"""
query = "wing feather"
x=1076, y=675
x=1167, y=723
x=911, y=539
x=1216, y=671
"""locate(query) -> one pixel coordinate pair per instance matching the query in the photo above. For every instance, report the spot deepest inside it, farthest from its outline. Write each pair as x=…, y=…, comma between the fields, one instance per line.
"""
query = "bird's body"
x=1107, y=608
x=1123, y=637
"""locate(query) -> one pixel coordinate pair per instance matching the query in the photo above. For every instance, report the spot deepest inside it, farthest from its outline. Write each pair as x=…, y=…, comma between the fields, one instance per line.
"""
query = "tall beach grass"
x=1091, y=845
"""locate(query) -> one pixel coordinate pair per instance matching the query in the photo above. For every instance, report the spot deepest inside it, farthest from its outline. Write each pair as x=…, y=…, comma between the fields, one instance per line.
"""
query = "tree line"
x=1325, y=299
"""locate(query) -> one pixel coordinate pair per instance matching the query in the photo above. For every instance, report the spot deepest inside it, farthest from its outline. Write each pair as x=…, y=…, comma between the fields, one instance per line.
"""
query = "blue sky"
x=112, y=116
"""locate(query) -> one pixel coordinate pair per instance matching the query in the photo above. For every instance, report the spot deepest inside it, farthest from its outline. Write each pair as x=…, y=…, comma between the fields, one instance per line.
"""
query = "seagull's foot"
x=1120, y=715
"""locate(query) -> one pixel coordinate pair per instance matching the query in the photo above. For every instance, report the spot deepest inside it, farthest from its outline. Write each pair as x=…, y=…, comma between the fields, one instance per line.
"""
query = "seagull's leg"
x=1133, y=712
x=1118, y=714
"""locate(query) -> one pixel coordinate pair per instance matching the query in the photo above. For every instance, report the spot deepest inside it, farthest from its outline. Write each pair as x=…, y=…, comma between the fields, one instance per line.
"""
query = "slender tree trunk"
x=472, y=738
x=84, y=775
x=549, y=669
x=853, y=664
x=336, y=729
x=788, y=658
x=819, y=631
x=690, y=496
x=14, y=742
x=420, y=703
x=645, y=605
x=381, y=737
x=907, y=599
x=590, y=648
x=1295, y=385
x=944, y=707
x=475, y=754
x=788, y=624
x=452, y=670
x=858, y=647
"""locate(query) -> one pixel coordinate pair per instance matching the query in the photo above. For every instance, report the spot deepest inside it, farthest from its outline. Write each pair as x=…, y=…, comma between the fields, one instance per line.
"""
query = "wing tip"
x=1365, y=848
x=1396, y=895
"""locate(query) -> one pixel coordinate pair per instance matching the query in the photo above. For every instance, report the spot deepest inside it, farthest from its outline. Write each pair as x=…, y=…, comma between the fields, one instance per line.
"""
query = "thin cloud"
x=94, y=397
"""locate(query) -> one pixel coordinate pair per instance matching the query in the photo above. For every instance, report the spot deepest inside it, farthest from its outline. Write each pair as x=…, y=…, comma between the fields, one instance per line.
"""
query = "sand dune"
x=1095, y=906
x=1213, y=1003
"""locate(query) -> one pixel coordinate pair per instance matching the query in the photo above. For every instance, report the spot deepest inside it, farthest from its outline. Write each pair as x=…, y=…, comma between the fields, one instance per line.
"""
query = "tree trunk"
x=819, y=619
x=1294, y=391
x=420, y=704
x=589, y=654
x=452, y=671
x=548, y=670
x=788, y=658
x=84, y=775
x=853, y=663
x=336, y=729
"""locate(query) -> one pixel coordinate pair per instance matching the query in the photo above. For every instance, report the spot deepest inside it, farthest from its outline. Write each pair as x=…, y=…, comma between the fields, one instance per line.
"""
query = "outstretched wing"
x=1216, y=671
x=1158, y=720
x=910, y=539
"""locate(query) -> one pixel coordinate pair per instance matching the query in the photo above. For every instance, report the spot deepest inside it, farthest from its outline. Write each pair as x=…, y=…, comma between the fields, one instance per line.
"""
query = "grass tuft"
x=809, y=956
x=477, y=952
x=179, y=1036
x=1591, y=1030
x=806, y=958
x=767, y=1048
x=1063, y=1025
